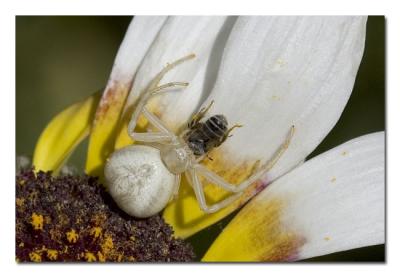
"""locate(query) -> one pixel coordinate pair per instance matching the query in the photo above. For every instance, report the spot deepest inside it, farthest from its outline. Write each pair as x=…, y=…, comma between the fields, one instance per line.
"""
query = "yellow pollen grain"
x=107, y=245
x=22, y=182
x=47, y=219
x=35, y=257
x=37, y=221
x=52, y=254
x=344, y=153
x=78, y=220
x=65, y=250
x=281, y=62
x=99, y=219
x=19, y=201
x=101, y=257
x=327, y=238
x=333, y=179
x=90, y=257
x=21, y=244
x=72, y=236
x=95, y=232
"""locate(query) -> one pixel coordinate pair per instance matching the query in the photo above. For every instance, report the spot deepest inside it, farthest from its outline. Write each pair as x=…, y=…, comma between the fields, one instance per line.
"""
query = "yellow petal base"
x=257, y=233
x=64, y=132
x=103, y=134
x=122, y=137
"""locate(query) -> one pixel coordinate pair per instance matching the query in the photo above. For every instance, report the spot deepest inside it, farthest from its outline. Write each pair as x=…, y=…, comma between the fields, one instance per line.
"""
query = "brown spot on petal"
x=105, y=125
x=112, y=100
x=278, y=242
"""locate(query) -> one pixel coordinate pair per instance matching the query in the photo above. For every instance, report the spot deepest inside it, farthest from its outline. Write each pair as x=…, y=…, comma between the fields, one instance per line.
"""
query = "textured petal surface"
x=179, y=37
x=140, y=35
x=64, y=132
x=334, y=202
x=275, y=72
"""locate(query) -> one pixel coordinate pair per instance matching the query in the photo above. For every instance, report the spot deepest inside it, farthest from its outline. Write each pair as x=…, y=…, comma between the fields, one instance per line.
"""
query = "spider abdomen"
x=138, y=180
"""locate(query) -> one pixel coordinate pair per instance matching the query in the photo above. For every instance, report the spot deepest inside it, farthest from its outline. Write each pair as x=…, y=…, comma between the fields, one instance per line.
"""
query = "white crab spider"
x=143, y=178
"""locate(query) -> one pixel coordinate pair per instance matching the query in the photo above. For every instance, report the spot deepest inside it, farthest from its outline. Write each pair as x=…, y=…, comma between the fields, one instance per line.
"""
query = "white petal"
x=333, y=202
x=138, y=38
x=336, y=201
x=179, y=37
x=140, y=35
x=283, y=71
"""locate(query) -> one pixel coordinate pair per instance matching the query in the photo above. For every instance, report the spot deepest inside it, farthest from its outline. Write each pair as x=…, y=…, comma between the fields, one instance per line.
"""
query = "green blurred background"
x=62, y=60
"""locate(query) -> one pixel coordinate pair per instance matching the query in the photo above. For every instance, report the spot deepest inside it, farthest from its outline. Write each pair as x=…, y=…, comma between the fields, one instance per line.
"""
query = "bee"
x=143, y=178
x=204, y=137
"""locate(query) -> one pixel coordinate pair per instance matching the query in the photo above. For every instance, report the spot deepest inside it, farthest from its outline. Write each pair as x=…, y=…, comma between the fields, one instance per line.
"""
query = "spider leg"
x=176, y=186
x=191, y=175
x=167, y=68
x=154, y=88
x=163, y=136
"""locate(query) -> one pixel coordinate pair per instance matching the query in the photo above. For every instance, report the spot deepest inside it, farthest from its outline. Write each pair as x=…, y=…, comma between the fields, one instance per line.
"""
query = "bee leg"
x=199, y=116
x=227, y=134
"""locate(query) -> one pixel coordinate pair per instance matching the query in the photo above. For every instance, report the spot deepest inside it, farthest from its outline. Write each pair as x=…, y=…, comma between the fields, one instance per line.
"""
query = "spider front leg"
x=164, y=134
x=213, y=178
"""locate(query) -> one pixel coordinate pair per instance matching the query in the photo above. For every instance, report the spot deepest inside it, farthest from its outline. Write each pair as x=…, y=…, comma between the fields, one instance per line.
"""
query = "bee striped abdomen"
x=215, y=127
x=203, y=137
